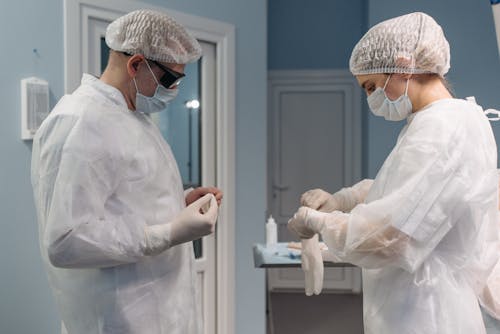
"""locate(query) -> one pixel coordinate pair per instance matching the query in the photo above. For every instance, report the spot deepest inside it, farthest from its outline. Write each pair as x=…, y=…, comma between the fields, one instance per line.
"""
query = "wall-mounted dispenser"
x=34, y=105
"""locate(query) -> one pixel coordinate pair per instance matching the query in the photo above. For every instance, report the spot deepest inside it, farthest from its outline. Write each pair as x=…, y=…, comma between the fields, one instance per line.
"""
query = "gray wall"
x=26, y=304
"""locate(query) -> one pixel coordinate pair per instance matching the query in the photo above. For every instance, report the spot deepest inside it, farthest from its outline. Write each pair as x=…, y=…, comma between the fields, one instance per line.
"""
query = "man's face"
x=146, y=83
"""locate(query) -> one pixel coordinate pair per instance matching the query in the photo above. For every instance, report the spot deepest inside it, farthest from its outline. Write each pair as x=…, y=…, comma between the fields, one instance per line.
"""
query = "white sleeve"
x=348, y=198
x=423, y=197
x=490, y=295
x=81, y=230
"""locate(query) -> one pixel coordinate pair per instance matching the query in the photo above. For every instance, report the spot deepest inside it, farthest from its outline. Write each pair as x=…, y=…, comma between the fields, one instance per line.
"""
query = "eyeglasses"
x=170, y=78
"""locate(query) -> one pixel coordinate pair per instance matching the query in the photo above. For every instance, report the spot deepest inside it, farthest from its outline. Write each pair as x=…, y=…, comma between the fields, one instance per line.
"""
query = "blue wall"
x=319, y=35
x=26, y=304
x=475, y=65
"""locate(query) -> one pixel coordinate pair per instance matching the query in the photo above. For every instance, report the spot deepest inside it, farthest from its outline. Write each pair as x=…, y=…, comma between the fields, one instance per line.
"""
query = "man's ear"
x=406, y=76
x=133, y=64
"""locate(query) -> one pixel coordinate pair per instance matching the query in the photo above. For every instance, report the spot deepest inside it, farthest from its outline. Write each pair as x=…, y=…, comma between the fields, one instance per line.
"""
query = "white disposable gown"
x=427, y=234
x=100, y=174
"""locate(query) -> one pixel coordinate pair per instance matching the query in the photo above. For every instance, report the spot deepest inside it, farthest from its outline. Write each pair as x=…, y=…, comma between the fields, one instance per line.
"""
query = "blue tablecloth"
x=279, y=256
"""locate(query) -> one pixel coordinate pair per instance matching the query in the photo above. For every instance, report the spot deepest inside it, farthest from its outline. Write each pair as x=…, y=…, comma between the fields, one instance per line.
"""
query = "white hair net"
x=412, y=43
x=154, y=35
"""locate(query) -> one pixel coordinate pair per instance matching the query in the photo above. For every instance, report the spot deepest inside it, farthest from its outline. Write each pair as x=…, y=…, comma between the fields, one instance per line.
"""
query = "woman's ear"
x=405, y=62
x=401, y=76
x=133, y=64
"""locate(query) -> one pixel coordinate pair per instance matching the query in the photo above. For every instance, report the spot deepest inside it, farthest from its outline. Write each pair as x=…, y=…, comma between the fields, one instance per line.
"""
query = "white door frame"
x=76, y=62
x=206, y=265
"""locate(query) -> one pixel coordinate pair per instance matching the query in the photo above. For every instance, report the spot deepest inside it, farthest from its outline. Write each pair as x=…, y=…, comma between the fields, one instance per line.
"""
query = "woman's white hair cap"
x=153, y=34
x=412, y=43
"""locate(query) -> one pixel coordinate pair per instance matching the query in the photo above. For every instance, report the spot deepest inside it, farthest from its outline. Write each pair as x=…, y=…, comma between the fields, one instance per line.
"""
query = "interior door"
x=308, y=149
x=315, y=142
x=188, y=125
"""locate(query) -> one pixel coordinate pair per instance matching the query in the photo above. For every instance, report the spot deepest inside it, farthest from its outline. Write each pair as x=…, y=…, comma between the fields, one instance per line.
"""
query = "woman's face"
x=395, y=86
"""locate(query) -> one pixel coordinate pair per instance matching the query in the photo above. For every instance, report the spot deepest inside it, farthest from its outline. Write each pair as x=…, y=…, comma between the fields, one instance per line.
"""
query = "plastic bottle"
x=271, y=232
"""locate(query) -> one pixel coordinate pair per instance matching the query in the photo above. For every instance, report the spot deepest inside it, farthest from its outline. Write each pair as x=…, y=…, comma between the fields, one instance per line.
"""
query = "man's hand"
x=198, y=193
x=195, y=221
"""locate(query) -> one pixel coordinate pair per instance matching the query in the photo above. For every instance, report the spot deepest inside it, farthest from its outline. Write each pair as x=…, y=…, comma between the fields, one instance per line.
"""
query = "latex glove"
x=199, y=192
x=343, y=200
x=305, y=224
x=312, y=265
x=320, y=200
x=195, y=221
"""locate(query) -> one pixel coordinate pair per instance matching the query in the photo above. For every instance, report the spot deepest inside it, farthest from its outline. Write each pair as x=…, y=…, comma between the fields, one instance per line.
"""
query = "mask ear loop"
x=407, y=84
x=150, y=70
x=135, y=84
x=387, y=81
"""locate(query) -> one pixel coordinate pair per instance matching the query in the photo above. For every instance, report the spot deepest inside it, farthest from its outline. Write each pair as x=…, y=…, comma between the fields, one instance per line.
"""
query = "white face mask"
x=396, y=110
x=156, y=103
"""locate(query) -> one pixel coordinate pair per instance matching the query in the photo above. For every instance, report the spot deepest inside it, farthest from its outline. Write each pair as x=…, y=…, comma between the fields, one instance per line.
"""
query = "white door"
x=189, y=126
x=315, y=141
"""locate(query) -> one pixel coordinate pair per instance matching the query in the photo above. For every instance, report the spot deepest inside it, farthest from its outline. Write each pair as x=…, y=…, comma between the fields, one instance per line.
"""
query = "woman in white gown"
x=425, y=231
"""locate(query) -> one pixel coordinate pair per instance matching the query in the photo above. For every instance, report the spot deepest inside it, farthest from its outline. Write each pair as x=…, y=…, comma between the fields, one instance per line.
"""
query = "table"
x=280, y=256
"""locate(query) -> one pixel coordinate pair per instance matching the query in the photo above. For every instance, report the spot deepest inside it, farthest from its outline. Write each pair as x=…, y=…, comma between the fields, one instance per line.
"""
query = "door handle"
x=280, y=187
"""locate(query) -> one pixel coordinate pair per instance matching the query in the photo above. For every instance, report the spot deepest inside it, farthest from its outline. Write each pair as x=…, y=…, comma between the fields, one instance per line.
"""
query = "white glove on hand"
x=305, y=224
x=320, y=200
x=312, y=265
x=343, y=200
x=195, y=221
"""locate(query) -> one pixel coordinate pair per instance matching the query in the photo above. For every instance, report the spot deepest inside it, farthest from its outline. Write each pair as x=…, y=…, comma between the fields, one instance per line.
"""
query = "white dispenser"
x=271, y=232
x=34, y=105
